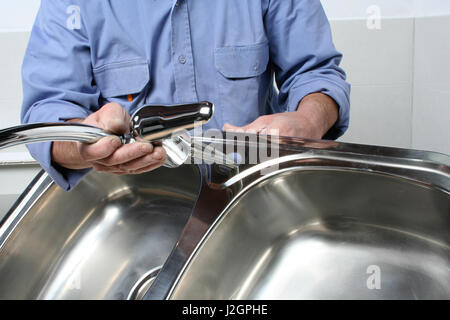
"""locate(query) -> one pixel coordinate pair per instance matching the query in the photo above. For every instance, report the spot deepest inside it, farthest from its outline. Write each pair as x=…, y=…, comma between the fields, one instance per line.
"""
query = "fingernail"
x=157, y=155
x=115, y=142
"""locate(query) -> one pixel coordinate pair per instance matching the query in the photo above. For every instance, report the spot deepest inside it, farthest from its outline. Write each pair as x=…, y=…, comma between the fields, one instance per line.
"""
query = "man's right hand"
x=108, y=154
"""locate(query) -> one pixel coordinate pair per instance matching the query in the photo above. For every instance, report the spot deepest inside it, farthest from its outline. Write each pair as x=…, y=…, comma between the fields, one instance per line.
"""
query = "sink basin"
x=326, y=234
x=328, y=221
x=103, y=240
x=318, y=220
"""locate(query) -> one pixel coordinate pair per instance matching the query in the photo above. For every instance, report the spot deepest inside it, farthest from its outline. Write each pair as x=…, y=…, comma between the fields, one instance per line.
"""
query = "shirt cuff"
x=67, y=179
x=334, y=91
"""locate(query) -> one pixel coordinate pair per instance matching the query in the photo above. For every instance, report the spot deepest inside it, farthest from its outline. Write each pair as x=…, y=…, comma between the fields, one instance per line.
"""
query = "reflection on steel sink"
x=328, y=221
x=326, y=234
x=331, y=221
x=99, y=241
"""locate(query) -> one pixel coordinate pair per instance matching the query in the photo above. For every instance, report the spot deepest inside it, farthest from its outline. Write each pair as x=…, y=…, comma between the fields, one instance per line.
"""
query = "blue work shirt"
x=84, y=54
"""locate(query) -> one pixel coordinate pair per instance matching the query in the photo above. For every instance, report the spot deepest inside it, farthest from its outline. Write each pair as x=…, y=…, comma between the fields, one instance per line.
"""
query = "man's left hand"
x=315, y=115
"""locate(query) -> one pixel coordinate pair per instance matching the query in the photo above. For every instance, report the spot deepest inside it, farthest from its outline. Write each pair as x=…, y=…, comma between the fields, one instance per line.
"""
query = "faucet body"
x=157, y=124
x=154, y=123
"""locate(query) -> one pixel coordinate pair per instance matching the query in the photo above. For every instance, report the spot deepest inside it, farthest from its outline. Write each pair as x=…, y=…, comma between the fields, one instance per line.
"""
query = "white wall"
x=17, y=15
x=379, y=65
x=16, y=20
x=400, y=72
x=357, y=9
x=15, y=178
x=431, y=94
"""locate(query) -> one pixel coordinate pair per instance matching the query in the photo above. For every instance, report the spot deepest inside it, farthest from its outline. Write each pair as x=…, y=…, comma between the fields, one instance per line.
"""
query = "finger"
x=160, y=153
x=103, y=148
x=147, y=169
x=120, y=171
x=152, y=159
x=256, y=126
x=127, y=152
x=117, y=126
x=143, y=164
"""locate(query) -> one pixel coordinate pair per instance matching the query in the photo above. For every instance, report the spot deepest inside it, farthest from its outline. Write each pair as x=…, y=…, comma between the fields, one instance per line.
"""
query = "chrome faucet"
x=158, y=124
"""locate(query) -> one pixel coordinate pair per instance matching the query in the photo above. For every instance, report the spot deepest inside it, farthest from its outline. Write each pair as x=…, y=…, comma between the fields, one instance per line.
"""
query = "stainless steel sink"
x=329, y=221
x=322, y=234
x=104, y=240
x=321, y=220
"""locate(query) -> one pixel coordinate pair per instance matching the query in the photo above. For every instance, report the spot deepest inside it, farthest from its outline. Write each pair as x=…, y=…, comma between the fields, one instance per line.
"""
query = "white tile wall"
x=13, y=45
x=380, y=115
x=401, y=81
x=18, y=14
x=431, y=119
x=376, y=57
x=379, y=65
x=432, y=51
x=431, y=110
x=356, y=9
x=13, y=179
x=11, y=56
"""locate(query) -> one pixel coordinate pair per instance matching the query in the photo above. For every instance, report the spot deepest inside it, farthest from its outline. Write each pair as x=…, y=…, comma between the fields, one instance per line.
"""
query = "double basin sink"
x=330, y=221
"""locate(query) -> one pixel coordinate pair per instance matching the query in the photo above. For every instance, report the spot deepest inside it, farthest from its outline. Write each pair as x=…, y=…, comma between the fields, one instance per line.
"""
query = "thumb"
x=114, y=118
x=117, y=125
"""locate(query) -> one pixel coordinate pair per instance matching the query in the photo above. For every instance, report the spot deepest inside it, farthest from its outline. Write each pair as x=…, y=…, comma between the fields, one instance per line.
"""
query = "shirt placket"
x=182, y=57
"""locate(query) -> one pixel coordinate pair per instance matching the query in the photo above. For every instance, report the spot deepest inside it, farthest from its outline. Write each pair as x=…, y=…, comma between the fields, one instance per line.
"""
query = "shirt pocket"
x=122, y=81
x=241, y=82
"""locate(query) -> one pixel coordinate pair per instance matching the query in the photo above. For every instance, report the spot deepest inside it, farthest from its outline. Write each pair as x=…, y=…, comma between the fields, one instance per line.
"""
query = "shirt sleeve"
x=304, y=57
x=57, y=79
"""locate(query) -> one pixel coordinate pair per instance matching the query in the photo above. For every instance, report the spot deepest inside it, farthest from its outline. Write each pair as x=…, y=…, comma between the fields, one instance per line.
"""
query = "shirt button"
x=182, y=59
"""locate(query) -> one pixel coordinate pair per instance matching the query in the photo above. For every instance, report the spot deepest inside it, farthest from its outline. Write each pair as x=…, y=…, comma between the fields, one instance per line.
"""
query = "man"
x=97, y=61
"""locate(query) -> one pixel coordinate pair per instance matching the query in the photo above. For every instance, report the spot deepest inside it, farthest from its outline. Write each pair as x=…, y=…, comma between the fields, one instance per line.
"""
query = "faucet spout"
x=158, y=124
x=43, y=132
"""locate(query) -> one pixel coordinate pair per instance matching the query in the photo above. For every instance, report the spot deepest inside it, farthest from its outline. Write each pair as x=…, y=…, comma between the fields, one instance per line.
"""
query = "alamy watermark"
x=374, y=280
x=75, y=281
x=374, y=17
x=73, y=22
